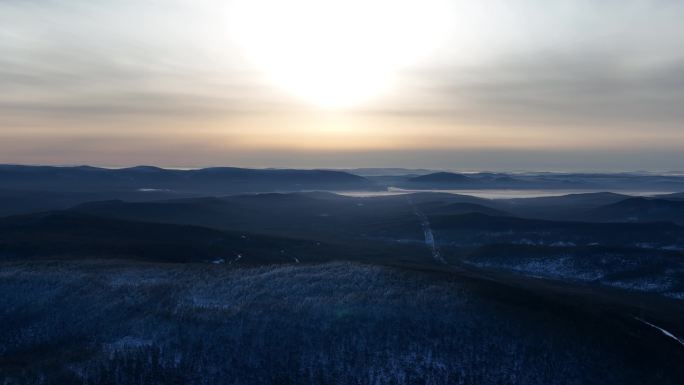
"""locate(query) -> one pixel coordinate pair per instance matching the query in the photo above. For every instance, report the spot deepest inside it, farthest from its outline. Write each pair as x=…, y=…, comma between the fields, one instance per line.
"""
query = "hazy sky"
x=498, y=85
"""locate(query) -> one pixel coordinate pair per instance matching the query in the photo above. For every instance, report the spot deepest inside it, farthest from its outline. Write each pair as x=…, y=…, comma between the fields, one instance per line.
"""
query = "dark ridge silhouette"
x=459, y=208
x=642, y=210
x=323, y=215
x=535, y=181
x=216, y=180
x=565, y=207
x=441, y=177
x=14, y=202
x=575, y=200
x=179, y=232
x=675, y=196
x=480, y=229
x=76, y=235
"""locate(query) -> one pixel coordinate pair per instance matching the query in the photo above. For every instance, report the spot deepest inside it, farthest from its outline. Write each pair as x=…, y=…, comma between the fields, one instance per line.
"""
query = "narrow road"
x=665, y=332
x=427, y=231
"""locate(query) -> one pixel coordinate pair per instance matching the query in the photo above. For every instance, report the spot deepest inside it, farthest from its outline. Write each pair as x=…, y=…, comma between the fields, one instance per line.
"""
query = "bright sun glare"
x=337, y=53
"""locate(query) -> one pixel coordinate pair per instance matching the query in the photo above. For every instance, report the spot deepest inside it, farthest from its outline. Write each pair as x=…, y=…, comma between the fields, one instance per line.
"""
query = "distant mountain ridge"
x=642, y=209
x=214, y=180
x=538, y=181
x=234, y=180
x=451, y=180
x=441, y=177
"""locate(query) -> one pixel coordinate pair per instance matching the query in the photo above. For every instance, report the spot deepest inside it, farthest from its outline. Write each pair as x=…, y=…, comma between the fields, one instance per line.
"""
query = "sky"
x=446, y=84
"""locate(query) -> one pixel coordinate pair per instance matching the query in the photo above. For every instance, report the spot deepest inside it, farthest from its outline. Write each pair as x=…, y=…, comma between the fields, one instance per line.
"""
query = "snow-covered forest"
x=335, y=323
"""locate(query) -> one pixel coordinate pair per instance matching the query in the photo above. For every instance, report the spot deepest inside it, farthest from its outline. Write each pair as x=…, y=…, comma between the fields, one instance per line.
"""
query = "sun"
x=337, y=53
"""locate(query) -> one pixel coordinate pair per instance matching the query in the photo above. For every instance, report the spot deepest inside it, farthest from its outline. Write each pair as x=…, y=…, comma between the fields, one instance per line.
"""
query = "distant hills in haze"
x=441, y=177
x=25, y=189
x=532, y=181
x=640, y=209
x=232, y=180
x=215, y=180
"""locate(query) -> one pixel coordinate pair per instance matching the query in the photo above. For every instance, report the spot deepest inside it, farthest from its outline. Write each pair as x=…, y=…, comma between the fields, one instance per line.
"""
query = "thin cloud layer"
x=515, y=77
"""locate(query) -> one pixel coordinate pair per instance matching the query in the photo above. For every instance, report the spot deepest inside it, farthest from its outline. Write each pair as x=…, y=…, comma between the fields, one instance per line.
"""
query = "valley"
x=422, y=287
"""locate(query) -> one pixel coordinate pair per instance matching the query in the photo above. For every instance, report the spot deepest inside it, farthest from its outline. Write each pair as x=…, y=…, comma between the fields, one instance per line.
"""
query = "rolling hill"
x=208, y=181
x=641, y=210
